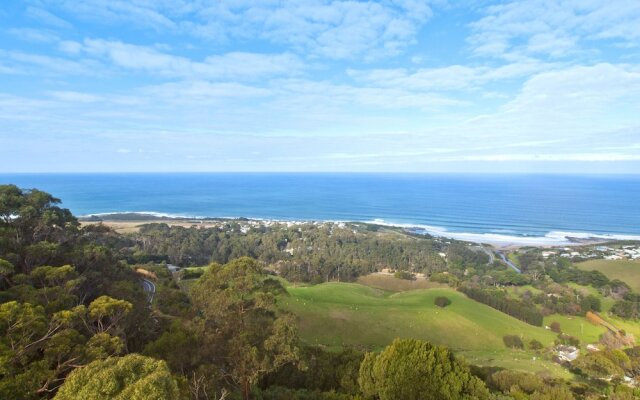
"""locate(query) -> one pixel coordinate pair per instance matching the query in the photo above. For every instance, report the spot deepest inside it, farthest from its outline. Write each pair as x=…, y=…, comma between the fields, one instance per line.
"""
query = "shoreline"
x=130, y=221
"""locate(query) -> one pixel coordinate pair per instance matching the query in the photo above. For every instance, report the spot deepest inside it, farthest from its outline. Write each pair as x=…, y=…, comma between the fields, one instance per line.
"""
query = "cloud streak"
x=321, y=85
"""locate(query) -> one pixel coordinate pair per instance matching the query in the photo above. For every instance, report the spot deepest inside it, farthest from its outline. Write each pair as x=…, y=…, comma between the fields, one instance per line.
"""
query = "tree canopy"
x=414, y=369
x=132, y=377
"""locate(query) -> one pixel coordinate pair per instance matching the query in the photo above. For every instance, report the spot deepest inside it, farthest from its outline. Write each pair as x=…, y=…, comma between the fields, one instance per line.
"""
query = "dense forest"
x=306, y=252
x=76, y=323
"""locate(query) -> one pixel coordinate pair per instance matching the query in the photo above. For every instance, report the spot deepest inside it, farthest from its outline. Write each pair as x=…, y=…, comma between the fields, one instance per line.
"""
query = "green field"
x=578, y=327
x=626, y=270
x=605, y=302
x=393, y=284
x=515, y=292
x=349, y=314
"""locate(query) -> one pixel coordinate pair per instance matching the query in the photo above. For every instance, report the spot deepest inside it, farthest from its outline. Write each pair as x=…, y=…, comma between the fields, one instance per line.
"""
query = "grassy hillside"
x=393, y=284
x=626, y=270
x=578, y=327
x=348, y=314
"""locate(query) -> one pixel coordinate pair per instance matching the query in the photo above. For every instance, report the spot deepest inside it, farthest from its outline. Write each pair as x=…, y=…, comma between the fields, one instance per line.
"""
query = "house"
x=173, y=268
x=592, y=348
x=567, y=353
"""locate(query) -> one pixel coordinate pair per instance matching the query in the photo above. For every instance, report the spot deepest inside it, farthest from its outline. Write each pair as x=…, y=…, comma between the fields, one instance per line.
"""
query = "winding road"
x=488, y=252
x=149, y=288
x=508, y=262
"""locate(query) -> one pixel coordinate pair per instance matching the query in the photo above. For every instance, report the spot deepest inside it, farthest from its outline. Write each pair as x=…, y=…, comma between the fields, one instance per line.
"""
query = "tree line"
x=304, y=253
x=498, y=300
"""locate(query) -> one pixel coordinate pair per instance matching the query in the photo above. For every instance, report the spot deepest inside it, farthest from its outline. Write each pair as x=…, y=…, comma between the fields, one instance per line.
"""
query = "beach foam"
x=552, y=238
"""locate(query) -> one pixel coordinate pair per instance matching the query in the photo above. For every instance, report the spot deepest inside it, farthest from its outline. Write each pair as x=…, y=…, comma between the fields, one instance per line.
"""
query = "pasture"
x=627, y=271
x=336, y=315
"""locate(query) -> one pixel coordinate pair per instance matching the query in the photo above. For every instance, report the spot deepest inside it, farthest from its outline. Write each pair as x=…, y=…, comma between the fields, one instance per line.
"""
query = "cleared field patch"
x=515, y=292
x=605, y=302
x=393, y=284
x=627, y=271
x=579, y=327
x=347, y=314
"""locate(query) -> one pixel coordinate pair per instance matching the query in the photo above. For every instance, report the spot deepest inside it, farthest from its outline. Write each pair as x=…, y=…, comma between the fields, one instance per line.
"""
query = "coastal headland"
x=131, y=222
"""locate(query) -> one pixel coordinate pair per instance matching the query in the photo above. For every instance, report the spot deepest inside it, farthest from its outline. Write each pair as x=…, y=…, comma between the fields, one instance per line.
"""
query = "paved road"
x=488, y=252
x=508, y=262
x=149, y=288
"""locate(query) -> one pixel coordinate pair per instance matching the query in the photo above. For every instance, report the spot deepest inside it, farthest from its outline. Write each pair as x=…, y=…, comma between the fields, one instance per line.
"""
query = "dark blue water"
x=510, y=205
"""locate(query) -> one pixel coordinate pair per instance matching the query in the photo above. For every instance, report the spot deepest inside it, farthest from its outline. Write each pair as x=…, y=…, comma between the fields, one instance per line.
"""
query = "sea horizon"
x=507, y=208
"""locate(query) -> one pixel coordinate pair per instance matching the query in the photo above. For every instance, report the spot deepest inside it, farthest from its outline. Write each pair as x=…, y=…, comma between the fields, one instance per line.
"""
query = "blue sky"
x=319, y=85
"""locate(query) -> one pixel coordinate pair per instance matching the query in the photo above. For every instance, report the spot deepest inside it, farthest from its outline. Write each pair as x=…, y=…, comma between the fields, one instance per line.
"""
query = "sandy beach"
x=122, y=223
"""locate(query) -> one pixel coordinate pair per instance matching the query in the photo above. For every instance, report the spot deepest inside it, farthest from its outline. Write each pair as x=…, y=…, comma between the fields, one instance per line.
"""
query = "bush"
x=626, y=309
x=280, y=393
x=569, y=340
x=535, y=345
x=505, y=381
x=555, y=327
x=405, y=275
x=513, y=341
x=192, y=273
x=442, y=301
x=441, y=277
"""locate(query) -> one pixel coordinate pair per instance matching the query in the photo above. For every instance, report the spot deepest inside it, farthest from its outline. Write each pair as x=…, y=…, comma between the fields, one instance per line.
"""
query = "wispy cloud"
x=321, y=84
x=335, y=29
x=557, y=28
x=46, y=17
x=234, y=65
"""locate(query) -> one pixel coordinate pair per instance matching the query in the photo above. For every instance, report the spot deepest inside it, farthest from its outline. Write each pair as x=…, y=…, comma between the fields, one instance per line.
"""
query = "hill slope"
x=348, y=314
x=627, y=271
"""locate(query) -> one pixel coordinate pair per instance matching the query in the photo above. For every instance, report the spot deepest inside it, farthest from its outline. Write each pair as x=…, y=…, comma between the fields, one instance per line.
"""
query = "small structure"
x=567, y=353
x=592, y=348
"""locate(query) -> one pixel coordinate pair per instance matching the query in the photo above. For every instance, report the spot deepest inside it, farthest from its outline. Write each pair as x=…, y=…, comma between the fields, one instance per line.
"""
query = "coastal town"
x=607, y=252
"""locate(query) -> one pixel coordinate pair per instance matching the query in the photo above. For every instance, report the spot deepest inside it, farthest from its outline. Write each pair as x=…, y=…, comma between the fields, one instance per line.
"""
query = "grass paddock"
x=336, y=315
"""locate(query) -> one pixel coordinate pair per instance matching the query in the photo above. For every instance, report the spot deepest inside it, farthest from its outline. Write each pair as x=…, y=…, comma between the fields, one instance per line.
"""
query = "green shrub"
x=442, y=301
x=535, y=345
x=555, y=327
x=513, y=341
x=405, y=275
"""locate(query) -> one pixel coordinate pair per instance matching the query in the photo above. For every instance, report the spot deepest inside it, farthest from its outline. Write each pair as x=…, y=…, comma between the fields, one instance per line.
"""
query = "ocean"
x=536, y=209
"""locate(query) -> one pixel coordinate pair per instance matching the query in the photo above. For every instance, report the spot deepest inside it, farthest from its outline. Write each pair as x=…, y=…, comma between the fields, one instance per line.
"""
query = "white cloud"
x=234, y=65
x=140, y=12
x=335, y=29
x=70, y=47
x=44, y=65
x=74, y=97
x=556, y=28
x=452, y=77
x=34, y=35
x=586, y=93
x=588, y=157
x=46, y=17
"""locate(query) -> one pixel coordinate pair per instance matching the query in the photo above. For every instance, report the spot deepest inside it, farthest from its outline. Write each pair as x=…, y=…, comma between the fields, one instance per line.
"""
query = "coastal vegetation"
x=306, y=252
x=624, y=270
x=292, y=311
